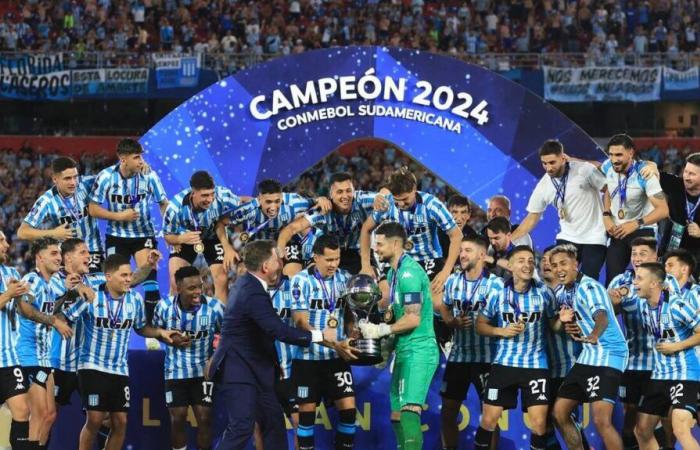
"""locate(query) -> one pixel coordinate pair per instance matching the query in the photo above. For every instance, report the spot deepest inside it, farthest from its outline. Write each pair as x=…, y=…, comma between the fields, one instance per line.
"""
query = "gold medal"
x=388, y=315
x=244, y=236
x=624, y=290
x=332, y=322
x=408, y=245
x=199, y=248
x=621, y=214
x=562, y=213
x=114, y=333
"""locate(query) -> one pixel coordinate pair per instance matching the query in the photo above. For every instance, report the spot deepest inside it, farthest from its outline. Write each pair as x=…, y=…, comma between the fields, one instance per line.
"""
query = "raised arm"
x=527, y=225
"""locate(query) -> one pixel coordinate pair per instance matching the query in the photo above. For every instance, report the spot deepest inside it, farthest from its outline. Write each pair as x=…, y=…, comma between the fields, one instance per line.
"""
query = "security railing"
x=226, y=63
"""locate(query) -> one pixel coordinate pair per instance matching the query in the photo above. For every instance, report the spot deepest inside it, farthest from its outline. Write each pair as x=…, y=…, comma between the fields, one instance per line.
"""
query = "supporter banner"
x=681, y=80
x=109, y=82
x=65, y=84
x=177, y=71
x=27, y=86
x=31, y=64
x=602, y=84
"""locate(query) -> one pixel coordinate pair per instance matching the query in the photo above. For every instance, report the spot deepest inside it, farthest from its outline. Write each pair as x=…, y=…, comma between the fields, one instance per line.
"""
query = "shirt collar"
x=264, y=283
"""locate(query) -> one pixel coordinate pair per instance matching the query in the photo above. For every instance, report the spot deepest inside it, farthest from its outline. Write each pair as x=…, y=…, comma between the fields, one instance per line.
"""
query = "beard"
x=469, y=266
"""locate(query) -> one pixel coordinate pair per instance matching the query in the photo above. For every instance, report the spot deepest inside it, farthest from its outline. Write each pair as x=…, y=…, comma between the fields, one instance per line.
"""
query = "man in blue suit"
x=243, y=365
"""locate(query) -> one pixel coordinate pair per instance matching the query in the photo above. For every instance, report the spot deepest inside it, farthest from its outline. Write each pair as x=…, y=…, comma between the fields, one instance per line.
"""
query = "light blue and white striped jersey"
x=672, y=321
x=180, y=217
x=117, y=194
x=200, y=326
x=281, y=296
x=250, y=215
x=528, y=349
x=587, y=298
x=637, y=192
x=421, y=223
x=52, y=209
x=639, y=341
x=64, y=352
x=562, y=352
x=345, y=226
x=307, y=243
x=314, y=297
x=107, y=325
x=468, y=297
x=8, y=324
x=34, y=339
x=561, y=349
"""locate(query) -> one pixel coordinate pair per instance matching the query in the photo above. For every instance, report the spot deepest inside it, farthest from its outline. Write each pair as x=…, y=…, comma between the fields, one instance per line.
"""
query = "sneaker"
x=152, y=344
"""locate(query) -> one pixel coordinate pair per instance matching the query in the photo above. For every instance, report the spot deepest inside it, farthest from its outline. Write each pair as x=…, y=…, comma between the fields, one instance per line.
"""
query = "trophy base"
x=370, y=352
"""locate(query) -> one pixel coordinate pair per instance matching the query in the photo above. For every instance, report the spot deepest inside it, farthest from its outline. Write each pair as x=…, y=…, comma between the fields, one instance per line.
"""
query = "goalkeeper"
x=410, y=308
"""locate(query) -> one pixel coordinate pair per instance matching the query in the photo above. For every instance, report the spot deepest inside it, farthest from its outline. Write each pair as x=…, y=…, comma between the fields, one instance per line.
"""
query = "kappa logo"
x=347, y=389
x=127, y=404
x=302, y=392
x=406, y=275
x=542, y=397
x=207, y=399
x=19, y=386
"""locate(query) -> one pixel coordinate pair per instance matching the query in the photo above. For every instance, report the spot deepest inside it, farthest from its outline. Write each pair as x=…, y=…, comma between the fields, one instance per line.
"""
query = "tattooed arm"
x=33, y=314
x=660, y=212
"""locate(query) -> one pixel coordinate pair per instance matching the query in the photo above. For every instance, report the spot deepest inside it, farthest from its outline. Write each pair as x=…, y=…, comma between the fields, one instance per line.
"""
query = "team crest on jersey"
x=93, y=399
x=296, y=292
x=482, y=290
x=204, y=321
x=665, y=319
x=129, y=308
x=283, y=216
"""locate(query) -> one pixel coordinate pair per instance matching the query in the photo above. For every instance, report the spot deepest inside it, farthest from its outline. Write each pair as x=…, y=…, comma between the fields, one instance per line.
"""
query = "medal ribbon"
x=560, y=195
x=510, y=298
x=73, y=210
x=113, y=315
x=472, y=292
x=330, y=298
x=622, y=186
x=345, y=227
x=394, y=281
x=690, y=208
x=134, y=197
x=655, y=322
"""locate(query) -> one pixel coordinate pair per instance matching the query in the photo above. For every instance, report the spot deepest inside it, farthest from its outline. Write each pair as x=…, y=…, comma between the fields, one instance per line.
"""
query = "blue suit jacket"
x=246, y=351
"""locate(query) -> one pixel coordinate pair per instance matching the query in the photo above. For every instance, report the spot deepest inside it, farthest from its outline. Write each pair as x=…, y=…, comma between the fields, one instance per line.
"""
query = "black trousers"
x=619, y=252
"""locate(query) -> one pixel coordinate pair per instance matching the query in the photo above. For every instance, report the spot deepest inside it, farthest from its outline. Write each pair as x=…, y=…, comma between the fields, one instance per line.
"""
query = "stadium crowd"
x=283, y=27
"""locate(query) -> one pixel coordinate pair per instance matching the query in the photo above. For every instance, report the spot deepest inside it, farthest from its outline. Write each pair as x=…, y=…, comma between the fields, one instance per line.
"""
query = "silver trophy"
x=361, y=297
